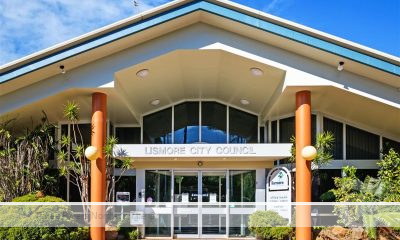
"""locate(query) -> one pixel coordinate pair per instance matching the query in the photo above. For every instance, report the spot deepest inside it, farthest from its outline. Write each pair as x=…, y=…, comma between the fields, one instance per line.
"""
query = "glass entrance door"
x=200, y=212
x=213, y=217
x=186, y=193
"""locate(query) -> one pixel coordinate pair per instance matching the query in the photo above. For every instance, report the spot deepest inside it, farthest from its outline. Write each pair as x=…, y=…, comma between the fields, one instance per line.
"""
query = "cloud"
x=30, y=26
x=276, y=7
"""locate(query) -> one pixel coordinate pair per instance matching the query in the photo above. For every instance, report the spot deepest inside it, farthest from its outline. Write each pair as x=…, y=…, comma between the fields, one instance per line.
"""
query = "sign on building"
x=279, y=185
x=136, y=218
x=123, y=196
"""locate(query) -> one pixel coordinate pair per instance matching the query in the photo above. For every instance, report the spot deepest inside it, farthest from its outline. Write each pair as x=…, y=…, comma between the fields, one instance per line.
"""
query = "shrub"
x=269, y=225
x=26, y=218
x=123, y=228
x=133, y=235
x=328, y=196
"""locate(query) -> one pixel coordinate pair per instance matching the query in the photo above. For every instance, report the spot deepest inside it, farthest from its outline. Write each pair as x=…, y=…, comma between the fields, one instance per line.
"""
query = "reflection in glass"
x=336, y=128
x=158, y=186
x=185, y=191
x=158, y=189
x=186, y=123
x=388, y=144
x=214, y=191
x=128, y=135
x=213, y=122
x=361, y=144
x=286, y=129
x=242, y=188
x=242, y=127
x=157, y=127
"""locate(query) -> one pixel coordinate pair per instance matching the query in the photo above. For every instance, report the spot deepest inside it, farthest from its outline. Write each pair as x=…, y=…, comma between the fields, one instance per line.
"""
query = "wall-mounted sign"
x=213, y=197
x=185, y=197
x=202, y=150
x=279, y=185
x=123, y=196
x=136, y=218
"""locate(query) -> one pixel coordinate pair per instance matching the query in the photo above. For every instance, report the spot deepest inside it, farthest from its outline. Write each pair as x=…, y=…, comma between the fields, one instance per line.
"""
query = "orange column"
x=98, y=167
x=303, y=167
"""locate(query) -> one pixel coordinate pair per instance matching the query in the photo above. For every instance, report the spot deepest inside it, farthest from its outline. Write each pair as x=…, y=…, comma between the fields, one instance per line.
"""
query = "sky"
x=28, y=26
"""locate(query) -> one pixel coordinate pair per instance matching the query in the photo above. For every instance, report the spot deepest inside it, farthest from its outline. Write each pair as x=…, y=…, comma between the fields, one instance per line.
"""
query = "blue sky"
x=28, y=26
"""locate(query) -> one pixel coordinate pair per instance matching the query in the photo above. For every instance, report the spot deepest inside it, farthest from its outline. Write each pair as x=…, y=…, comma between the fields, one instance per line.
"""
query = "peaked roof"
x=226, y=9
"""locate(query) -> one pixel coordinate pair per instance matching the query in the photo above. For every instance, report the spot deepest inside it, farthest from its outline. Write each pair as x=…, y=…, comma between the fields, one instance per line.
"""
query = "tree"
x=386, y=188
x=324, y=146
x=74, y=165
x=23, y=159
x=389, y=173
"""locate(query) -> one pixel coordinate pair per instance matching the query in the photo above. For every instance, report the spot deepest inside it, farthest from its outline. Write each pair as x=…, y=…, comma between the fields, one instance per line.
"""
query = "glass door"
x=213, y=217
x=186, y=212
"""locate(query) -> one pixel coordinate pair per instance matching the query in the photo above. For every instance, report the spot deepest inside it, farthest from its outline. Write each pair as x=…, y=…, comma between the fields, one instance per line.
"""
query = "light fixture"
x=199, y=163
x=143, y=73
x=62, y=69
x=309, y=153
x=155, y=102
x=256, y=72
x=340, y=66
x=244, y=101
x=91, y=153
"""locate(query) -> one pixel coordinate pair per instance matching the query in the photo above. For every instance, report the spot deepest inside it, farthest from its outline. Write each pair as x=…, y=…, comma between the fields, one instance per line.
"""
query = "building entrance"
x=208, y=217
x=199, y=197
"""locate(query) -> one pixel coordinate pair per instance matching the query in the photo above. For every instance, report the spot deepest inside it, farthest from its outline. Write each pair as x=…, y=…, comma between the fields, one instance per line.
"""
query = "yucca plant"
x=74, y=165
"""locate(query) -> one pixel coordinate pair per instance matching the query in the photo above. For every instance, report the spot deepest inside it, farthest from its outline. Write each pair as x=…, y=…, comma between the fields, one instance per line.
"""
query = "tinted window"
x=186, y=123
x=213, y=122
x=363, y=173
x=336, y=128
x=387, y=144
x=126, y=184
x=262, y=136
x=242, y=127
x=83, y=134
x=128, y=135
x=324, y=183
x=157, y=127
x=361, y=144
x=242, y=186
x=274, y=135
x=286, y=129
x=313, y=129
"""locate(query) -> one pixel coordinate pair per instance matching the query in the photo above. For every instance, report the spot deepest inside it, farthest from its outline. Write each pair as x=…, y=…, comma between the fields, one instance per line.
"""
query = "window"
x=186, y=123
x=336, y=128
x=274, y=135
x=262, y=135
x=158, y=189
x=387, y=144
x=85, y=132
x=126, y=184
x=157, y=127
x=158, y=186
x=286, y=129
x=363, y=173
x=242, y=186
x=128, y=135
x=213, y=122
x=361, y=144
x=242, y=127
x=324, y=183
